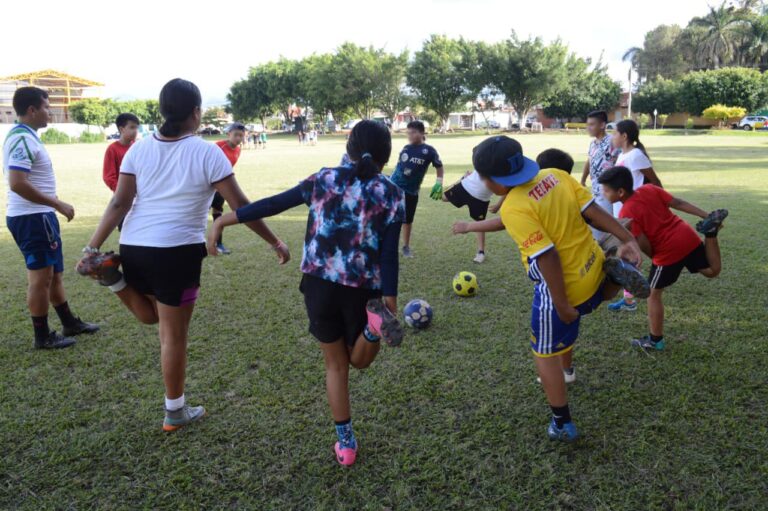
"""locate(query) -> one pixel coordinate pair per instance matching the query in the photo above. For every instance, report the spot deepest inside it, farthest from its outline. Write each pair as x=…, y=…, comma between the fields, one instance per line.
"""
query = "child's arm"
x=490, y=225
x=687, y=207
x=437, y=189
x=601, y=220
x=552, y=271
x=651, y=176
x=110, y=172
x=585, y=173
x=390, y=265
x=496, y=207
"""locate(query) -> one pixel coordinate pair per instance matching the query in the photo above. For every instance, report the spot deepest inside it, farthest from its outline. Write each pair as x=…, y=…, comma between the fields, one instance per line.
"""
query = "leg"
x=142, y=306
x=481, y=242
x=712, y=248
x=551, y=373
x=38, y=290
x=174, y=329
x=363, y=353
x=610, y=290
x=407, y=234
x=56, y=293
x=336, y=359
x=656, y=313
x=566, y=359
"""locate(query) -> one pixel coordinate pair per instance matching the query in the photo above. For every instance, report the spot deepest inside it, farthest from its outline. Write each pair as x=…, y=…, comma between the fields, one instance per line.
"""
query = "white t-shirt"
x=23, y=151
x=474, y=185
x=174, y=190
x=635, y=160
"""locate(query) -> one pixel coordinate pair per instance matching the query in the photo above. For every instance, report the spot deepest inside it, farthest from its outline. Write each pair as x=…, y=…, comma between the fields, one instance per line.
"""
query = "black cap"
x=501, y=159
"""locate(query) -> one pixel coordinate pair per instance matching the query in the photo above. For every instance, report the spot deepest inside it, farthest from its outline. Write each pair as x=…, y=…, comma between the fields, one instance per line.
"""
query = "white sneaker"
x=479, y=258
x=569, y=377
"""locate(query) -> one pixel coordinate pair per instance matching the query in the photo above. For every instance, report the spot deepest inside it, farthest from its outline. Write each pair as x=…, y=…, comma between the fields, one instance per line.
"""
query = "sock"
x=345, y=434
x=656, y=338
x=216, y=215
x=481, y=251
x=561, y=414
x=370, y=335
x=711, y=235
x=174, y=404
x=568, y=370
x=40, y=323
x=119, y=285
x=628, y=297
x=65, y=315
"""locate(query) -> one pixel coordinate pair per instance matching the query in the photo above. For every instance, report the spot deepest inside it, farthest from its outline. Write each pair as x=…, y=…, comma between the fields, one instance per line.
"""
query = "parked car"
x=610, y=126
x=491, y=125
x=113, y=136
x=210, y=130
x=753, y=122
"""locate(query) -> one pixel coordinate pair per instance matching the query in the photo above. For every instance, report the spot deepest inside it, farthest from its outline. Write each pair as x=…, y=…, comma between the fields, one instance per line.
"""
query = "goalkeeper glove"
x=437, y=190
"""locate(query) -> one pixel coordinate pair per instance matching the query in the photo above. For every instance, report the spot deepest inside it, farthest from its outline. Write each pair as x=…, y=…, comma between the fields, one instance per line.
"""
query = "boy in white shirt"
x=471, y=192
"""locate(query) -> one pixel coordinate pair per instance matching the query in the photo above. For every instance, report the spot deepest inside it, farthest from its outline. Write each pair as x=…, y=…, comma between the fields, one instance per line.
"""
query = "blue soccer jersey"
x=412, y=166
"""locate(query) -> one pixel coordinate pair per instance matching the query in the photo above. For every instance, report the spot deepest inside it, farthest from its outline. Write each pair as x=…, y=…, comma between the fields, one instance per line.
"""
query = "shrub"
x=722, y=113
x=54, y=136
x=90, y=138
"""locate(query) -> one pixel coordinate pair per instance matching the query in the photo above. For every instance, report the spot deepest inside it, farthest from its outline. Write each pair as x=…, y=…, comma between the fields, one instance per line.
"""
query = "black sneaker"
x=54, y=341
x=80, y=327
x=712, y=223
x=627, y=276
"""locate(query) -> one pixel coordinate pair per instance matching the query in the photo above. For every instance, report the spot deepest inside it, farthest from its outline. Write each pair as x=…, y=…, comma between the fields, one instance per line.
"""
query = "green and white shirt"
x=23, y=151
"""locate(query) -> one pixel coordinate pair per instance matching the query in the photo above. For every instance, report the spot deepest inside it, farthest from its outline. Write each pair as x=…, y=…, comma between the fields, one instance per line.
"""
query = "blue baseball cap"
x=501, y=159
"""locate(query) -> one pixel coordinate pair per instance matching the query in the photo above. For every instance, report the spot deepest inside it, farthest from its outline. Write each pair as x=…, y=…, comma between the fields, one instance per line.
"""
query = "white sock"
x=174, y=404
x=119, y=285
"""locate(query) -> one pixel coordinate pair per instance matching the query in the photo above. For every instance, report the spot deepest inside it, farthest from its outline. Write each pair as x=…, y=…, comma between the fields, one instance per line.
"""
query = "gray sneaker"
x=407, y=251
x=185, y=415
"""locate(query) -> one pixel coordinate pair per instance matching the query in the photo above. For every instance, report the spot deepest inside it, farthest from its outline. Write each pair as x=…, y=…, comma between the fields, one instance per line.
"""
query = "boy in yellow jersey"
x=548, y=214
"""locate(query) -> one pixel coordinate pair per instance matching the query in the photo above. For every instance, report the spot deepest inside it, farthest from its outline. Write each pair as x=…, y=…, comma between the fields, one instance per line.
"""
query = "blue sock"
x=369, y=335
x=345, y=434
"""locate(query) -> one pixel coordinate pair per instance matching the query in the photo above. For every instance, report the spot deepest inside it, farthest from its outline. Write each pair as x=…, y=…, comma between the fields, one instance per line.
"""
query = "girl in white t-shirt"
x=164, y=191
x=635, y=158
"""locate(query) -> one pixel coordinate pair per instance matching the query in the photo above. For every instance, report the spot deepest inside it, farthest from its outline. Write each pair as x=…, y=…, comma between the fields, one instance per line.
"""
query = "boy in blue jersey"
x=412, y=165
x=31, y=219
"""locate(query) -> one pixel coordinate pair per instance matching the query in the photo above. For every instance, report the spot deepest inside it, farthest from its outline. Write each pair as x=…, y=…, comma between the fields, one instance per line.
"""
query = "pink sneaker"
x=345, y=456
x=384, y=323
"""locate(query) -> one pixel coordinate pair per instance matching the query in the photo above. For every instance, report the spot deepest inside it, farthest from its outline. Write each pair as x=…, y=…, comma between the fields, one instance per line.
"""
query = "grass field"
x=452, y=420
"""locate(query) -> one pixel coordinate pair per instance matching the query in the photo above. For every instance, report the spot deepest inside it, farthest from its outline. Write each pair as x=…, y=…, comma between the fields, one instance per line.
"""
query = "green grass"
x=452, y=420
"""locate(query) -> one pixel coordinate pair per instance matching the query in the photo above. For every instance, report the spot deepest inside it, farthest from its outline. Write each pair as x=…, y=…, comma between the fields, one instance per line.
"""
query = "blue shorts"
x=550, y=336
x=39, y=239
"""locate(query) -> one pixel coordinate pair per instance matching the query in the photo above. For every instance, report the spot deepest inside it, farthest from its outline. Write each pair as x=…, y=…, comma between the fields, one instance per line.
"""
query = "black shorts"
x=460, y=197
x=218, y=202
x=411, y=201
x=664, y=276
x=171, y=275
x=335, y=311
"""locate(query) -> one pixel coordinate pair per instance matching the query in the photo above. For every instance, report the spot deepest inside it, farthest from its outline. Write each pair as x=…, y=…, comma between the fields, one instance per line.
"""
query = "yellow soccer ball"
x=465, y=284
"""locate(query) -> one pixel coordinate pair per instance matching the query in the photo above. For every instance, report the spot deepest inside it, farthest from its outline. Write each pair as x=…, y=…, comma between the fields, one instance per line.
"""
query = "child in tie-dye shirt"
x=350, y=262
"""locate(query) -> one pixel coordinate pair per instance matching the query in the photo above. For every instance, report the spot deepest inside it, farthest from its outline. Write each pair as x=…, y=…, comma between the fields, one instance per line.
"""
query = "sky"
x=135, y=46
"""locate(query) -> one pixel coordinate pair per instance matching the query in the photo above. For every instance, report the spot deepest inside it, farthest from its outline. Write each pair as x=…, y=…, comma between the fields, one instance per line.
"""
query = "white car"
x=752, y=122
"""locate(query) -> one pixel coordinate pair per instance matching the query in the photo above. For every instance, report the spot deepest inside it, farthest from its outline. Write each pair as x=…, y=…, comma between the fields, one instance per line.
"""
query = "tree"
x=391, y=95
x=720, y=25
x=660, y=94
x=438, y=76
x=153, y=112
x=587, y=90
x=214, y=116
x=90, y=111
x=723, y=113
x=528, y=72
x=661, y=54
x=357, y=86
x=742, y=87
x=255, y=97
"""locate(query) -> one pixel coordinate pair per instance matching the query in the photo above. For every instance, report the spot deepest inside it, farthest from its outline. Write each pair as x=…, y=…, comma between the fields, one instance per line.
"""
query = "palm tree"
x=756, y=49
x=721, y=25
x=632, y=55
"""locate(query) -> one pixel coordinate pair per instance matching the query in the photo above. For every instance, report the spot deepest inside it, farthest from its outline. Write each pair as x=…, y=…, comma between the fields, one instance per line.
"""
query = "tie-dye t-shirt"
x=346, y=224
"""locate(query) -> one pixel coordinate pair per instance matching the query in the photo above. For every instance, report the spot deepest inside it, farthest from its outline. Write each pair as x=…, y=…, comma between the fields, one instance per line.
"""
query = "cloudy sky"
x=134, y=46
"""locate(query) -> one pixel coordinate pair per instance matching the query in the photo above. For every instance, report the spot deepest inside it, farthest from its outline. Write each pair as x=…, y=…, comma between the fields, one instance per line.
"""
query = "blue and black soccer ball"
x=418, y=314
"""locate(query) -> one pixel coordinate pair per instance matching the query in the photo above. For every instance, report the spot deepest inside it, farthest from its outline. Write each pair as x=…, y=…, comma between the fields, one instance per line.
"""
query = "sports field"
x=452, y=420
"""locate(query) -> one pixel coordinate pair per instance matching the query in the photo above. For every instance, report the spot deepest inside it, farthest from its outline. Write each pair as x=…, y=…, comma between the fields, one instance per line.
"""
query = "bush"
x=689, y=124
x=54, y=136
x=643, y=120
x=90, y=138
x=662, y=118
x=575, y=125
x=736, y=86
x=722, y=113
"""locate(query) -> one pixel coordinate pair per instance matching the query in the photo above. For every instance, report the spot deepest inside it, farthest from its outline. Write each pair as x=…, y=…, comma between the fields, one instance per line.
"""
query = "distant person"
x=128, y=129
x=166, y=184
x=298, y=126
x=263, y=139
x=601, y=156
x=31, y=219
x=231, y=148
x=412, y=165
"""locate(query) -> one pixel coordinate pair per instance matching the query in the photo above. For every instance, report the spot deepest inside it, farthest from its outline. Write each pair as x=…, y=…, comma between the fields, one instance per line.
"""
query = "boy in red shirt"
x=231, y=148
x=666, y=238
x=128, y=128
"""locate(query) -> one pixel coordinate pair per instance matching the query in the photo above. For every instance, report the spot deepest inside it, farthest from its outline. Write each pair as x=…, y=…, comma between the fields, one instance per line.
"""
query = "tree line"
x=102, y=112
x=444, y=76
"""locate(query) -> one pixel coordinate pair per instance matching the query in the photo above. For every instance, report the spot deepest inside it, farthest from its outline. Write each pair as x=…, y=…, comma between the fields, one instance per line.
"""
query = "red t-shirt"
x=232, y=154
x=671, y=237
x=112, y=160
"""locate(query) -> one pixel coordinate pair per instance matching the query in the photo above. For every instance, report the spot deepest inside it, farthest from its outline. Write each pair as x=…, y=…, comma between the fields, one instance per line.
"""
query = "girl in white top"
x=164, y=191
x=633, y=156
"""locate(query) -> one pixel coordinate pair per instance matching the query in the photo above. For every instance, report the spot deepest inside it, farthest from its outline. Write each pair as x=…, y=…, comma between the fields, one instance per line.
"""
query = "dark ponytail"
x=630, y=128
x=178, y=101
x=369, y=147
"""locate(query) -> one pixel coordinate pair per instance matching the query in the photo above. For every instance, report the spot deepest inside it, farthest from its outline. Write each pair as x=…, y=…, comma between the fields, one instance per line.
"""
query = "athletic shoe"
x=80, y=327
x=407, y=251
x=185, y=415
x=628, y=276
x=479, y=258
x=102, y=267
x=345, y=455
x=569, y=377
x=621, y=305
x=222, y=250
x=54, y=341
x=568, y=433
x=712, y=223
x=646, y=343
x=383, y=323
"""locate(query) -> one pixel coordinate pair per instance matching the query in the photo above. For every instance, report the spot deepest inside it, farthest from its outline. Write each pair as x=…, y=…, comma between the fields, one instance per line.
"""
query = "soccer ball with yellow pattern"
x=465, y=284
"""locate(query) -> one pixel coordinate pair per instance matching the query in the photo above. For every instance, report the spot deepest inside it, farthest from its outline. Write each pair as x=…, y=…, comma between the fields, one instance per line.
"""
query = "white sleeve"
x=19, y=156
x=218, y=167
x=640, y=161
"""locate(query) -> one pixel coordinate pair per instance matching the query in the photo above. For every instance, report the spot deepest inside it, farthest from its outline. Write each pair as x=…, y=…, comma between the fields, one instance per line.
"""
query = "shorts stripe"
x=658, y=270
